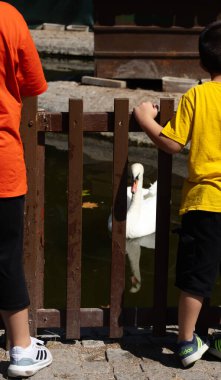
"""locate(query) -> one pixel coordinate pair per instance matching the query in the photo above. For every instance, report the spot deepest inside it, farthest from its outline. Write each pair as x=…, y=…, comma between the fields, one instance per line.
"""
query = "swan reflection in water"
x=133, y=251
x=140, y=222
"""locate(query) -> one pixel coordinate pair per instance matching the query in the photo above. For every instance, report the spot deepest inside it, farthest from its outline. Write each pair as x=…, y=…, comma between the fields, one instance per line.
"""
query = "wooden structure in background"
x=33, y=126
x=144, y=40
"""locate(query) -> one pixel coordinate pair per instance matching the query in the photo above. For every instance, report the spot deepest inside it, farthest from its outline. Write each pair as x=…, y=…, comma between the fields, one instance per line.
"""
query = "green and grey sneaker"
x=191, y=351
x=215, y=345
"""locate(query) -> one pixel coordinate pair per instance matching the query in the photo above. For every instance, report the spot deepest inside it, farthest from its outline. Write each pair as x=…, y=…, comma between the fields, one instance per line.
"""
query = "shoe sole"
x=196, y=356
x=30, y=370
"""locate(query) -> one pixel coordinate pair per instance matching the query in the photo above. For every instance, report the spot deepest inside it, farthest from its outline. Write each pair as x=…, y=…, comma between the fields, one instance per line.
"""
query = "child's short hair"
x=210, y=47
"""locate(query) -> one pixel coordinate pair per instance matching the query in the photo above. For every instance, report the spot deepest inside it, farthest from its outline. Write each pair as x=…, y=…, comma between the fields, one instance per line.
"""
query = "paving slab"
x=118, y=355
x=92, y=343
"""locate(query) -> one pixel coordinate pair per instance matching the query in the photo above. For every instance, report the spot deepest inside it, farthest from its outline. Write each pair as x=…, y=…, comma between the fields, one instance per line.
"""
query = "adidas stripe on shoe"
x=28, y=361
x=190, y=352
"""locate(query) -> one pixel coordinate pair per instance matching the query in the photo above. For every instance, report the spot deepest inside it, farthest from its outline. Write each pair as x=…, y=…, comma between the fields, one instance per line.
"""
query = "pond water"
x=67, y=69
x=96, y=254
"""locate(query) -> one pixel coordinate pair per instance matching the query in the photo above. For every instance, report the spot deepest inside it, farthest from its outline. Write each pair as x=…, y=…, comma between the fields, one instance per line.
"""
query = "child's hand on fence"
x=145, y=113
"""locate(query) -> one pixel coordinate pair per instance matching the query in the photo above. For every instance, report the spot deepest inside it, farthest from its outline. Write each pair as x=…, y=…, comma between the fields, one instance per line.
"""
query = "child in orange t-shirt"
x=21, y=75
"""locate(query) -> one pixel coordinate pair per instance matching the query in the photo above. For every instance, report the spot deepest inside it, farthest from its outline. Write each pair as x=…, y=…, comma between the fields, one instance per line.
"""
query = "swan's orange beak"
x=134, y=186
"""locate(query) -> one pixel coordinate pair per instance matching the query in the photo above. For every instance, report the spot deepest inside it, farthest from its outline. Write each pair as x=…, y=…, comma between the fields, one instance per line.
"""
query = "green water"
x=96, y=245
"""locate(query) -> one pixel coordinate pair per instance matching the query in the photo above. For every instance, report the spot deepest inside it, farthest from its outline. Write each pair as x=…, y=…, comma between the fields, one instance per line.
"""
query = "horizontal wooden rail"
x=92, y=122
x=131, y=317
x=97, y=317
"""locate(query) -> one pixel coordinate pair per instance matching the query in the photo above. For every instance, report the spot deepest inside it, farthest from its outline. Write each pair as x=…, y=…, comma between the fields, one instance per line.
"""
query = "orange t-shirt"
x=21, y=75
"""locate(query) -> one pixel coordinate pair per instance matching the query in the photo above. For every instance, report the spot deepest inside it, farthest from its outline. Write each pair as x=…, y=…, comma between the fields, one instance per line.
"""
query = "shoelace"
x=37, y=341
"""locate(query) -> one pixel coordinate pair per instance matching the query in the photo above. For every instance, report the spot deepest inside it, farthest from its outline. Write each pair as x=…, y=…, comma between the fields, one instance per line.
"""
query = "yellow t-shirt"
x=198, y=121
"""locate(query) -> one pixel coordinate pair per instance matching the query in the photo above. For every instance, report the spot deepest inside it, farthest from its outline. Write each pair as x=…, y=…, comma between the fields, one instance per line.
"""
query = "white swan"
x=141, y=206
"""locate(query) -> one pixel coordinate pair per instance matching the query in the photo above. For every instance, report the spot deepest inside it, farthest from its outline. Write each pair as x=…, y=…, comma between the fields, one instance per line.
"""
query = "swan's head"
x=137, y=171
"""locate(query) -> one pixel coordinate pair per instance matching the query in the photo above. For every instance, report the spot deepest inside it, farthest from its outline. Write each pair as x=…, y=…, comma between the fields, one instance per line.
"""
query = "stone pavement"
x=137, y=356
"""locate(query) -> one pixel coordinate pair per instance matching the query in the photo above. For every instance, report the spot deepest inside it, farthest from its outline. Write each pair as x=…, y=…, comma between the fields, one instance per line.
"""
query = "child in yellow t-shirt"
x=198, y=122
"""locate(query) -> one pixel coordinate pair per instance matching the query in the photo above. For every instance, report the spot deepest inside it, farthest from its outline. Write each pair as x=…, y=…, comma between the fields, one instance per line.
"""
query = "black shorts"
x=13, y=290
x=199, y=252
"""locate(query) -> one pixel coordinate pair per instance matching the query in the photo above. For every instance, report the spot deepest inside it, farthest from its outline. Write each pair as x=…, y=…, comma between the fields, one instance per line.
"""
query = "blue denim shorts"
x=199, y=252
x=13, y=293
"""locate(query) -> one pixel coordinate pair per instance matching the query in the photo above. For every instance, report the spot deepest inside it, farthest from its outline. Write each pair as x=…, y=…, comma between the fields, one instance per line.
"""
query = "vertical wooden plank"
x=162, y=227
x=34, y=149
x=75, y=181
x=121, y=109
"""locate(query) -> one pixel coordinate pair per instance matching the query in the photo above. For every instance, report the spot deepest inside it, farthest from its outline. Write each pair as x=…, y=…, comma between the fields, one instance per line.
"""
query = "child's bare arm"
x=145, y=114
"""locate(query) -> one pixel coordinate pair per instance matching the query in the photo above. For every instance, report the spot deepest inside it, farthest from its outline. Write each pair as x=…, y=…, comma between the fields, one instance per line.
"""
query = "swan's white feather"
x=141, y=207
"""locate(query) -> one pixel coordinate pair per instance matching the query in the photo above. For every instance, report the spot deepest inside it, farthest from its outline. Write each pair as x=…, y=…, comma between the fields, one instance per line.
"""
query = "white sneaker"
x=28, y=361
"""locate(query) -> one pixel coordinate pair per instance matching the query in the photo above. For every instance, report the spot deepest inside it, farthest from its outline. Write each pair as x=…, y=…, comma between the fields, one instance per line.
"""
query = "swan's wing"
x=150, y=192
x=153, y=189
x=145, y=193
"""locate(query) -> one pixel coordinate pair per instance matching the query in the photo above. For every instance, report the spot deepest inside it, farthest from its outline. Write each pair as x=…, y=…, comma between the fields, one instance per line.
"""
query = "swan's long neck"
x=136, y=199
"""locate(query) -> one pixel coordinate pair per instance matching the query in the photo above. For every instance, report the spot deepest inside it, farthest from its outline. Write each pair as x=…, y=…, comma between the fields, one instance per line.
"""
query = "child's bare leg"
x=189, y=309
x=17, y=326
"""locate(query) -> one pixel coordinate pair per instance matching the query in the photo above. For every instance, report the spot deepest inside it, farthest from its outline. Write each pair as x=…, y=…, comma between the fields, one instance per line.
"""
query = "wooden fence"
x=33, y=127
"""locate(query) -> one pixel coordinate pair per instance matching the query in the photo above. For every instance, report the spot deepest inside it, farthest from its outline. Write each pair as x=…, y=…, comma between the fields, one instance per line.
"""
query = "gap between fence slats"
x=162, y=227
